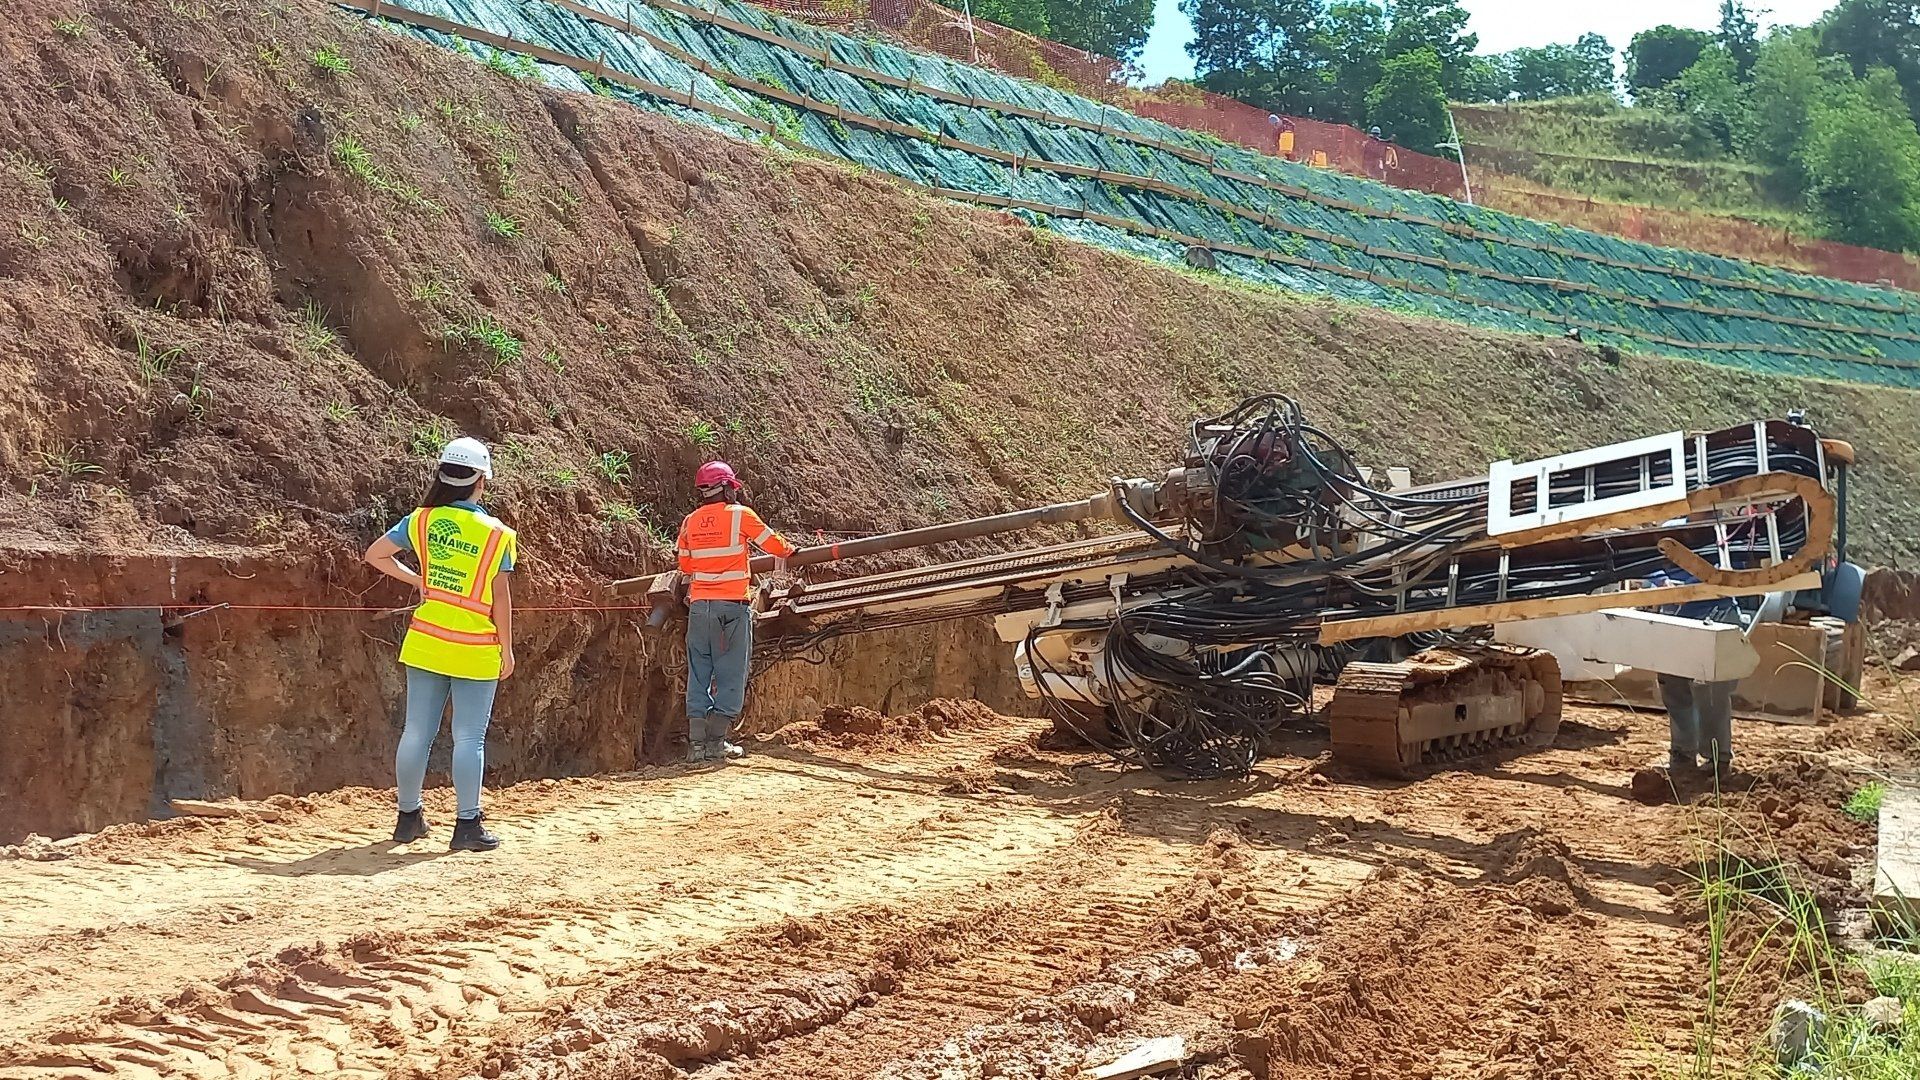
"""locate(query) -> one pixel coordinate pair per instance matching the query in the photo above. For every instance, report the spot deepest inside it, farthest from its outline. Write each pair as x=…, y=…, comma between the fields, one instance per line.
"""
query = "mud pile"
x=844, y=727
x=1408, y=969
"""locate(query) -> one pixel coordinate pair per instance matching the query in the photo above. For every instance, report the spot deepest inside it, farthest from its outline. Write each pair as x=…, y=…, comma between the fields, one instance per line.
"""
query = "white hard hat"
x=469, y=452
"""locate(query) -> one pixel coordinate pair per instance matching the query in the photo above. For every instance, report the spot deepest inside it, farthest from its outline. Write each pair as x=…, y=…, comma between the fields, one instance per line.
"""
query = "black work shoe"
x=470, y=834
x=410, y=826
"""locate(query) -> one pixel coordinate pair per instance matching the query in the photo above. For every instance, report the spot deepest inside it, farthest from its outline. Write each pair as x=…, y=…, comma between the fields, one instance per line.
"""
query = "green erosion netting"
x=1109, y=177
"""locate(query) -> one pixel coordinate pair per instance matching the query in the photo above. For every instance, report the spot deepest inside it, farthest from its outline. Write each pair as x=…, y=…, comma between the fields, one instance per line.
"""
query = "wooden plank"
x=1896, y=874
x=1150, y=1057
x=1518, y=610
x=1781, y=690
x=228, y=809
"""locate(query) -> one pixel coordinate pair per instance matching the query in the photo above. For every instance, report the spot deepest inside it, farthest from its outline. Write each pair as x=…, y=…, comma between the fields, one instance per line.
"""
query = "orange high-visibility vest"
x=713, y=550
x=460, y=553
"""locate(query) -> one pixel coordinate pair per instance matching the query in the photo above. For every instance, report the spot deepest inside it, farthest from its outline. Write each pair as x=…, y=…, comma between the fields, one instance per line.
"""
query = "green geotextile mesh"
x=1507, y=273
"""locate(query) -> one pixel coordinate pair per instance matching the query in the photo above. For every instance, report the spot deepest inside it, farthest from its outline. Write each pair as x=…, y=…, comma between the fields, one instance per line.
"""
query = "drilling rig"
x=1269, y=559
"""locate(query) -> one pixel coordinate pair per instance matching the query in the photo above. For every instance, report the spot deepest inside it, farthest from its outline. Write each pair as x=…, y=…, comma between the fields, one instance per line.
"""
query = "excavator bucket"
x=1441, y=705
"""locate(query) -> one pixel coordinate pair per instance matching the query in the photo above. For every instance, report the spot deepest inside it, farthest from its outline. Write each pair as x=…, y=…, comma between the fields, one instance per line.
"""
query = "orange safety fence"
x=938, y=29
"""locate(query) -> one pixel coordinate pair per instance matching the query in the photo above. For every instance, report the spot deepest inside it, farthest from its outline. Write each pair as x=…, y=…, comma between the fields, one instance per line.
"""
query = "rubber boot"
x=410, y=826
x=470, y=834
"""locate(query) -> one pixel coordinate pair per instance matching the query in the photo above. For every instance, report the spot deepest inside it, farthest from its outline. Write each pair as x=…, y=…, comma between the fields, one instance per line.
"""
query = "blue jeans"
x=427, y=694
x=719, y=648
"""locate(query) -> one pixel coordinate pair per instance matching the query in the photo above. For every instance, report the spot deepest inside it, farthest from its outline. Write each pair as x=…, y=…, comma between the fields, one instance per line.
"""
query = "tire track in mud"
x=614, y=878
x=895, y=991
x=378, y=1004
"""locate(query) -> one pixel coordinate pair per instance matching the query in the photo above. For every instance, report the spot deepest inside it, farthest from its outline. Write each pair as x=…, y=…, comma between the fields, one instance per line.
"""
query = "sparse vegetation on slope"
x=856, y=349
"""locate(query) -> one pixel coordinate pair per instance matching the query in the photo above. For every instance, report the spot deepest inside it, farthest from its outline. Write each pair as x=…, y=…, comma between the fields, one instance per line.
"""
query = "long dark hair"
x=441, y=493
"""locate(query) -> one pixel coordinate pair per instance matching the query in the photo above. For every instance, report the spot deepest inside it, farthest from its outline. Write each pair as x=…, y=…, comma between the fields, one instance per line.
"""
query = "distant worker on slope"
x=460, y=644
x=713, y=549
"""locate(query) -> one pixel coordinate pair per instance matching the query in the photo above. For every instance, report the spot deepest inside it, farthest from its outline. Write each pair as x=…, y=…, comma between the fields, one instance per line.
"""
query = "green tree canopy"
x=1788, y=84
x=1560, y=70
x=1861, y=156
x=1116, y=28
x=1711, y=93
x=1440, y=25
x=1264, y=52
x=1486, y=78
x=1408, y=104
x=1657, y=57
x=1027, y=15
x=1352, y=44
x=1877, y=33
x=1739, y=35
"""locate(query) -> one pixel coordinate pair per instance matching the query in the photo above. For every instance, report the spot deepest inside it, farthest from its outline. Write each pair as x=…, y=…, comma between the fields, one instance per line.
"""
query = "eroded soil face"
x=931, y=895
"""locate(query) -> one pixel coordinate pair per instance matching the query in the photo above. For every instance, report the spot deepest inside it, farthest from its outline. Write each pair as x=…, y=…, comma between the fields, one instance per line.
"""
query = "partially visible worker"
x=1700, y=714
x=714, y=552
x=460, y=643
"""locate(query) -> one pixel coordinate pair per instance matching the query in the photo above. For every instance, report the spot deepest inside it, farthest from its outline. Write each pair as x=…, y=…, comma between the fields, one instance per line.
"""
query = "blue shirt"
x=1721, y=609
x=402, y=536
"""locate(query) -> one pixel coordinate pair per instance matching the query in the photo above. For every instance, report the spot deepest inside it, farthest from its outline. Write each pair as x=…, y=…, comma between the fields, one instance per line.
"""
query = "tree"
x=1862, y=161
x=1877, y=33
x=1788, y=84
x=1740, y=36
x=1560, y=70
x=1260, y=51
x=1439, y=25
x=1486, y=78
x=1656, y=57
x=1596, y=54
x=1352, y=43
x=1408, y=104
x=1026, y=15
x=1116, y=28
x=1710, y=92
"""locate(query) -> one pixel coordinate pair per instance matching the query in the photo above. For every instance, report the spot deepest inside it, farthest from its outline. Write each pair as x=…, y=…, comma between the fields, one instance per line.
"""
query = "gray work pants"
x=719, y=648
x=1699, y=722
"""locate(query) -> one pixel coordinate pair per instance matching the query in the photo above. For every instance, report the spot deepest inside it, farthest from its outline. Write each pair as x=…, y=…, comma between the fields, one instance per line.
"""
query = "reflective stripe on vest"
x=725, y=575
x=459, y=637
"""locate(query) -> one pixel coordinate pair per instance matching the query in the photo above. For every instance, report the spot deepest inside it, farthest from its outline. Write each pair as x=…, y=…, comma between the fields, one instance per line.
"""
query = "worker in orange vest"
x=714, y=550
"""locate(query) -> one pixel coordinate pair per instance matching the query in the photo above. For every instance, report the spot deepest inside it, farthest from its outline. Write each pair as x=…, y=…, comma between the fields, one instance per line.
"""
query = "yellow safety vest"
x=460, y=552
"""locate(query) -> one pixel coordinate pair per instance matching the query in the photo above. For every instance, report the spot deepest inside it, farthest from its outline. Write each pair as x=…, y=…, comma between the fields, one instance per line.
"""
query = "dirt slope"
x=265, y=252
x=965, y=906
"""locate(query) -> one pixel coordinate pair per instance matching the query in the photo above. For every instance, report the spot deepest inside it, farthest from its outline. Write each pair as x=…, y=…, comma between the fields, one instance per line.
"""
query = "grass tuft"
x=503, y=226
x=69, y=464
x=1864, y=805
x=330, y=61
x=616, y=466
x=501, y=348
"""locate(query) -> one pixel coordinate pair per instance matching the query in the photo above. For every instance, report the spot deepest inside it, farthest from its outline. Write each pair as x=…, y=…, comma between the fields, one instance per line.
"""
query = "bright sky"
x=1508, y=24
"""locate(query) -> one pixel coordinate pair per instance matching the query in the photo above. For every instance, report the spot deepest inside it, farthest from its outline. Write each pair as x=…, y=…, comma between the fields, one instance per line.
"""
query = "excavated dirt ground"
x=931, y=895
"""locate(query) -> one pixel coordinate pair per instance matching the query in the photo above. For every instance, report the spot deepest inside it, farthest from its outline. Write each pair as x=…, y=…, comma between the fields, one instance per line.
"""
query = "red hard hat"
x=714, y=474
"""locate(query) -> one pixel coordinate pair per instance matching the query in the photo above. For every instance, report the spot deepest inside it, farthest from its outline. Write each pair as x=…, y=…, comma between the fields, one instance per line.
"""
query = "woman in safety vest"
x=460, y=644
